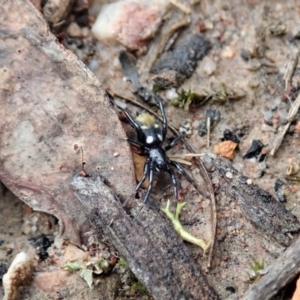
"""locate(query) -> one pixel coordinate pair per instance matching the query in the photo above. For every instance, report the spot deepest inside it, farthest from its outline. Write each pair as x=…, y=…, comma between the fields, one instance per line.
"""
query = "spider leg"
x=182, y=171
x=165, y=122
x=134, y=124
x=145, y=174
x=174, y=142
x=134, y=143
x=151, y=179
x=140, y=149
x=131, y=120
x=174, y=182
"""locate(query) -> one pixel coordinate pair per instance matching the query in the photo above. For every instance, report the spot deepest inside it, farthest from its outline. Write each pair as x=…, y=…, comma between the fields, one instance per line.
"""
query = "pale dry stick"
x=182, y=6
x=208, y=132
x=292, y=113
x=181, y=161
x=289, y=72
x=190, y=155
x=181, y=157
x=201, y=167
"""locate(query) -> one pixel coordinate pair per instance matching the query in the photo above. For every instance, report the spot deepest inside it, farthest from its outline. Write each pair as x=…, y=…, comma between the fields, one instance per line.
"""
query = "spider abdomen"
x=151, y=133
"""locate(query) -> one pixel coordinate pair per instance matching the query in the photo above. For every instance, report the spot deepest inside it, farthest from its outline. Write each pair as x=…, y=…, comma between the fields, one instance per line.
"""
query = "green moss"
x=139, y=288
x=122, y=263
x=255, y=269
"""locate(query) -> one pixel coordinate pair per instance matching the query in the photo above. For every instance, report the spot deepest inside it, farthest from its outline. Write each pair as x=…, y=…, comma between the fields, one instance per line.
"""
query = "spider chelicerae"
x=150, y=139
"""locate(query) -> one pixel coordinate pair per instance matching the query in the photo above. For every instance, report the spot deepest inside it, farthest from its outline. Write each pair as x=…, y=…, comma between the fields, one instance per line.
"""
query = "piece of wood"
x=258, y=206
x=149, y=244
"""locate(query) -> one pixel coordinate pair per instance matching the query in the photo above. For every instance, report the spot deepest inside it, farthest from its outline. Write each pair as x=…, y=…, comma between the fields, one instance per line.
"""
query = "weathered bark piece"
x=51, y=106
x=175, y=66
x=258, y=206
x=154, y=252
x=278, y=275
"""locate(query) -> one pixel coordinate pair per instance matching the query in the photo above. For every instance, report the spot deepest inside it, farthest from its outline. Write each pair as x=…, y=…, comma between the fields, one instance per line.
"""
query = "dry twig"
x=292, y=113
x=290, y=69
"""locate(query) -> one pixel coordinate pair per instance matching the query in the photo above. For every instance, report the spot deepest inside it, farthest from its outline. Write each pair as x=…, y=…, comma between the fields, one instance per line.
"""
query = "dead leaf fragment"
x=226, y=149
x=73, y=253
x=139, y=162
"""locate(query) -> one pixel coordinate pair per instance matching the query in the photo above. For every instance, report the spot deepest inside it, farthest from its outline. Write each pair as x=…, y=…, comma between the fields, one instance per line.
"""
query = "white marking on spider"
x=149, y=139
x=160, y=137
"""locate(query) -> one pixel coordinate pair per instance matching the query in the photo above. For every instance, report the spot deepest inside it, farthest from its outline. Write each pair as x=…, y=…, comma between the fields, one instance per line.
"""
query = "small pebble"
x=112, y=168
x=116, y=63
x=208, y=66
x=85, y=31
x=195, y=124
x=254, y=150
x=34, y=229
x=245, y=55
x=73, y=253
x=185, y=129
x=116, y=154
x=249, y=181
x=229, y=175
x=267, y=128
x=226, y=149
x=230, y=136
x=171, y=94
x=228, y=52
x=74, y=30
x=93, y=65
x=268, y=116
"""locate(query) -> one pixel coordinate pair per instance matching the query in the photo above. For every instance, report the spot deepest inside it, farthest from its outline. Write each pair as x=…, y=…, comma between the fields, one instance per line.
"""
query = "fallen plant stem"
x=292, y=113
x=182, y=6
x=290, y=69
x=179, y=160
x=208, y=132
x=183, y=233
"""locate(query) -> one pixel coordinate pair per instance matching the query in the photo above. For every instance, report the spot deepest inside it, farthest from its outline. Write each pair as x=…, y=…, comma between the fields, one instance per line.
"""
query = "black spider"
x=150, y=137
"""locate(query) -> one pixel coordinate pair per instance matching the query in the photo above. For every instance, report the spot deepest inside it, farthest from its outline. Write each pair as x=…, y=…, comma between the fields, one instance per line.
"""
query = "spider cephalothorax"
x=150, y=138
